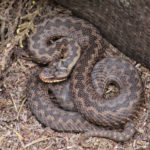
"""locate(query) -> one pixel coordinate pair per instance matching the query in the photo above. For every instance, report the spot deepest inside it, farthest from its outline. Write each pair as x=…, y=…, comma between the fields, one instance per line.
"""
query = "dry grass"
x=19, y=130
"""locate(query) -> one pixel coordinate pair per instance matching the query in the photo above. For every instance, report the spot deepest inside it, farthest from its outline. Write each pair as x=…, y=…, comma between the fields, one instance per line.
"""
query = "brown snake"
x=88, y=82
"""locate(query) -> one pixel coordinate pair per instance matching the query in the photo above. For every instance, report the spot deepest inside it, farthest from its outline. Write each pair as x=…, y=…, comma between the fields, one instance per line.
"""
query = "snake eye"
x=53, y=39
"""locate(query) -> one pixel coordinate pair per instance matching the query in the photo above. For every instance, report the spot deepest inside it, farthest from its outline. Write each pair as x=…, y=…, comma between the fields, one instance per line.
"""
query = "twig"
x=37, y=141
x=13, y=102
x=48, y=147
x=18, y=114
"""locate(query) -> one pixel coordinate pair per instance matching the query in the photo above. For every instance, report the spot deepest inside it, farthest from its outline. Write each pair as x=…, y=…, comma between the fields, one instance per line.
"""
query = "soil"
x=19, y=128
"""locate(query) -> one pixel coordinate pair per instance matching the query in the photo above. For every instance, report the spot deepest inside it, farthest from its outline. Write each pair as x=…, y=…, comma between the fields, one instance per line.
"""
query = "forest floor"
x=19, y=129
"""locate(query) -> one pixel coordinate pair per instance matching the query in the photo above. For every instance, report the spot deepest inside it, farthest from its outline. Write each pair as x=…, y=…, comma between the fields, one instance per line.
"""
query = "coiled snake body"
x=84, y=91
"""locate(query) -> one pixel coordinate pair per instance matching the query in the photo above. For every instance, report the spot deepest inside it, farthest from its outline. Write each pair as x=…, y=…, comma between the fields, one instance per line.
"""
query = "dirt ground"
x=19, y=129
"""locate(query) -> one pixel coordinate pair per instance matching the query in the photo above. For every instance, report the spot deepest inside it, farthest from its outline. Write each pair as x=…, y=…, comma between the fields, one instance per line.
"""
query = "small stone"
x=8, y=45
x=141, y=130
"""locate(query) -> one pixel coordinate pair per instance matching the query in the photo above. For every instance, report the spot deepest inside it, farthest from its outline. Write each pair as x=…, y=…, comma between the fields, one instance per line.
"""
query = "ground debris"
x=19, y=129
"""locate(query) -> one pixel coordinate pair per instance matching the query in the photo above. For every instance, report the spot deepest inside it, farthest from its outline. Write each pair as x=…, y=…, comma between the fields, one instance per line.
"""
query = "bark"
x=124, y=23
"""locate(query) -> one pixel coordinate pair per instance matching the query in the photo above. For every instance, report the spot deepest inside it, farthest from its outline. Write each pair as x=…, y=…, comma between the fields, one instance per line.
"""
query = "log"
x=124, y=23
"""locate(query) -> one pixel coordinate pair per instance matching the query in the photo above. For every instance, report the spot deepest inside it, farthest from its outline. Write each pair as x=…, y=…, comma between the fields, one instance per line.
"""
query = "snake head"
x=53, y=74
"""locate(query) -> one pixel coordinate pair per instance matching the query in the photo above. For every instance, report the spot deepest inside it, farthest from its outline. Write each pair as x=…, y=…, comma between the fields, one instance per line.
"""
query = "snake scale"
x=72, y=48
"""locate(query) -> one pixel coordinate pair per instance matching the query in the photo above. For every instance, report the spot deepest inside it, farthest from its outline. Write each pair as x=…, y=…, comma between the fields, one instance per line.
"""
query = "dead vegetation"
x=18, y=127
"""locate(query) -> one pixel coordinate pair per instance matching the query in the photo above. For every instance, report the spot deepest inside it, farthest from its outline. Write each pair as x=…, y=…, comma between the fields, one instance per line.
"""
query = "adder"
x=72, y=48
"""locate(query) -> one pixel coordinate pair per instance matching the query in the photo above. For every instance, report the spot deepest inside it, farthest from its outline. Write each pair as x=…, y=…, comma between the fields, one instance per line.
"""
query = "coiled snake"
x=84, y=109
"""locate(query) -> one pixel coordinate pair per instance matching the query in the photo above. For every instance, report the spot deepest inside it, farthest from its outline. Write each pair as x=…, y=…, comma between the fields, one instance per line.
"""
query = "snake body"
x=80, y=91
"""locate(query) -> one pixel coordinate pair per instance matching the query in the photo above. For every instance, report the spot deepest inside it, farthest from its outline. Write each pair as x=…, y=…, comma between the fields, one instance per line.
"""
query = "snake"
x=78, y=75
